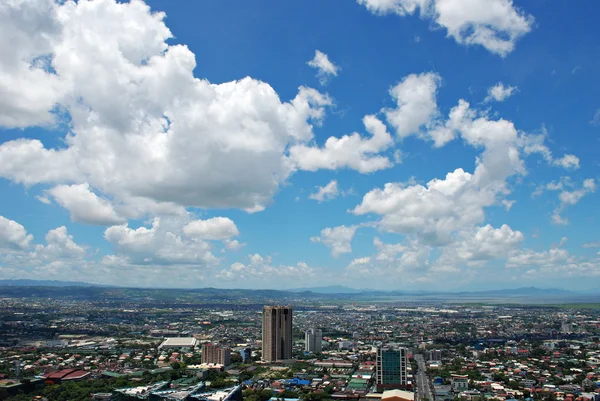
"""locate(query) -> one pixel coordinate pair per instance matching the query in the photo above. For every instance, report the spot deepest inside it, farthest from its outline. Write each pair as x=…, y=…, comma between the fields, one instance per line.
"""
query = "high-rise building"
x=246, y=354
x=434, y=355
x=313, y=338
x=276, y=333
x=392, y=368
x=214, y=353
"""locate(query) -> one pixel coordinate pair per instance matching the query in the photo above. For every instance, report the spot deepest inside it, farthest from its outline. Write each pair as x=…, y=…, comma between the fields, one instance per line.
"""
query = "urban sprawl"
x=161, y=345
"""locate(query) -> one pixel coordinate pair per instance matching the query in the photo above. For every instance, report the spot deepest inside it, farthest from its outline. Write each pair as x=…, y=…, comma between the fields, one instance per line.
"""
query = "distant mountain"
x=331, y=289
x=45, y=283
x=522, y=291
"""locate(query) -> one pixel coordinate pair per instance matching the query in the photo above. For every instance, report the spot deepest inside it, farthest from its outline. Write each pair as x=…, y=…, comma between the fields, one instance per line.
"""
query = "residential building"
x=434, y=355
x=277, y=333
x=460, y=383
x=313, y=338
x=215, y=354
x=392, y=368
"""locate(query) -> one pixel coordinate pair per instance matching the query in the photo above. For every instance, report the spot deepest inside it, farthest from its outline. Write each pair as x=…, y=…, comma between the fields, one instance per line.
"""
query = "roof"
x=179, y=342
x=68, y=374
x=398, y=394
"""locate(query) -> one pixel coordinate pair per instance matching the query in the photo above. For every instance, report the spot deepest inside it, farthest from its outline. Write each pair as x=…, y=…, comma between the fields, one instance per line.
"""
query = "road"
x=423, y=385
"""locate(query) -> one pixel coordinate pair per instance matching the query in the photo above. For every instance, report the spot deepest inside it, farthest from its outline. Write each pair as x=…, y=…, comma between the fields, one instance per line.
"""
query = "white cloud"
x=13, y=235
x=216, y=228
x=535, y=144
x=327, y=192
x=567, y=162
x=84, y=205
x=432, y=212
x=59, y=245
x=233, y=244
x=500, y=93
x=349, y=151
x=508, y=204
x=338, y=239
x=416, y=102
x=596, y=119
x=168, y=137
x=28, y=89
x=325, y=68
x=260, y=272
x=568, y=196
x=489, y=243
x=493, y=24
x=44, y=199
x=162, y=243
x=529, y=258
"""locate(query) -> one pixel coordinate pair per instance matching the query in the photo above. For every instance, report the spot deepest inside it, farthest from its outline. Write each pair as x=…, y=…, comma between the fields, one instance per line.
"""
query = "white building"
x=178, y=343
x=313, y=338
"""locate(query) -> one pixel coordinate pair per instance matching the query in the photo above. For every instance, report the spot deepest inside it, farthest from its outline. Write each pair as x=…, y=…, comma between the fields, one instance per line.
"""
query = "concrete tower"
x=277, y=333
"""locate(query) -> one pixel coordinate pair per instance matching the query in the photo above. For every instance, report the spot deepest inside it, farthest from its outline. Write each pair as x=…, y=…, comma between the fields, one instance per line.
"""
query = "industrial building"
x=178, y=343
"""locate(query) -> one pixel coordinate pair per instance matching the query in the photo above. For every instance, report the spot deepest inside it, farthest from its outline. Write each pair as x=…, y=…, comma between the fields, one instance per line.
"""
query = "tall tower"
x=276, y=333
x=392, y=368
x=313, y=339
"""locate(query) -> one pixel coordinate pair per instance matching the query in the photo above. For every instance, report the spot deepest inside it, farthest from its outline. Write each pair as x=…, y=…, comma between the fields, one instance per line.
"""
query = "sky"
x=380, y=144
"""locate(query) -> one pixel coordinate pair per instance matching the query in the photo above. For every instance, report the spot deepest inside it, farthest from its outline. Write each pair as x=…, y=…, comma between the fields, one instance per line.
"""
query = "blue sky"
x=393, y=144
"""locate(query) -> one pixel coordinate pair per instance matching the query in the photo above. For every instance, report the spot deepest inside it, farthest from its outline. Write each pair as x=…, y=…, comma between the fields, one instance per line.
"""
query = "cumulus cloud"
x=500, y=92
x=160, y=244
x=432, y=212
x=84, y=205
x=534, y=144
x=416, y=107
x=569, y=194
x=494, y=24
x=260, y=271
x=216, y=228
x=349, y=151
x=13, y=235
x=325, y=68
x=167, y=137
x=338, y=239
x=327, y=192
x=59, y=246
x=233, y=244
x=488, y=243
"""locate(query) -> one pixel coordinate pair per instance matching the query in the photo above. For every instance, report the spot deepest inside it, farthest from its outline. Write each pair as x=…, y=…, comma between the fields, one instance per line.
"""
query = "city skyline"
x=268, y=146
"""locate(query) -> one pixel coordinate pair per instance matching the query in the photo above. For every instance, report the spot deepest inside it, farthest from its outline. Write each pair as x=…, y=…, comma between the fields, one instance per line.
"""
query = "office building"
x=392, y=369
x=313, y=338
x=277, y=333
x=215, y=354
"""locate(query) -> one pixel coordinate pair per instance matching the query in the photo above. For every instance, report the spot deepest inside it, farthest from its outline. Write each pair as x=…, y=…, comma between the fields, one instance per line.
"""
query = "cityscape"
x=80, y=343
x=299, y=200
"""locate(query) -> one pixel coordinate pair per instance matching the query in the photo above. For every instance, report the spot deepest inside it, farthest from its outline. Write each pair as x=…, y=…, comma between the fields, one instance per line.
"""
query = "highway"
x=423, y=385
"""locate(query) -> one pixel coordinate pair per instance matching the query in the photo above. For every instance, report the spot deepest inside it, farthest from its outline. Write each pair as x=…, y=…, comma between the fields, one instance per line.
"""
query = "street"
x=423, y=385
